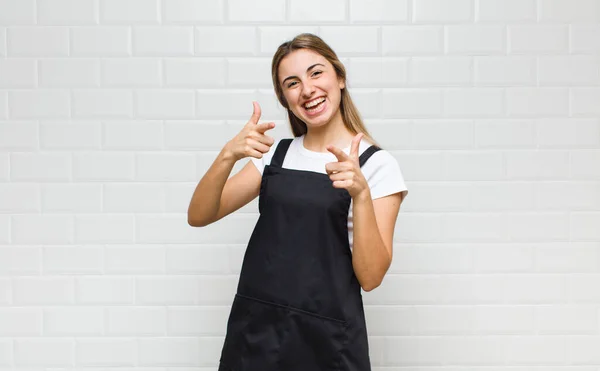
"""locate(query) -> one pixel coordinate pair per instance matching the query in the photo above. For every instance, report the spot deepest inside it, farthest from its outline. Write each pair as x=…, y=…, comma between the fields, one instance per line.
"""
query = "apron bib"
x=298, y=305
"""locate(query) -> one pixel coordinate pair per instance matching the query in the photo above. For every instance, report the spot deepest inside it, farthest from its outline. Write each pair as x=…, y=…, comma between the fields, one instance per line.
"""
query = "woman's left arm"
x=373, y=233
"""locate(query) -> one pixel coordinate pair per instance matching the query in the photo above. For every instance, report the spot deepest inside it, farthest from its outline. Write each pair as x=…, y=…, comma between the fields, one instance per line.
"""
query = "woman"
x=326, y=224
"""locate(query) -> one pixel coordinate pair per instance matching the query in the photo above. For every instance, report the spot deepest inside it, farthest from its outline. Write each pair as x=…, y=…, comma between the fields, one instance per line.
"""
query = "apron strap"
x=280, y=152
x=367, y=153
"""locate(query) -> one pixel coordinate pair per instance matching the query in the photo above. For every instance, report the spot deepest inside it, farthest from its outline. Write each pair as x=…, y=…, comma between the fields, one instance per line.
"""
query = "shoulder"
x=383, y=174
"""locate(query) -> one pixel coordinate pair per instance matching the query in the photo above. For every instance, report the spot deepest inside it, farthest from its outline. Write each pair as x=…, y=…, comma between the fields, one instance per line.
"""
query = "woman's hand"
x=346, y=172
x=251, y=141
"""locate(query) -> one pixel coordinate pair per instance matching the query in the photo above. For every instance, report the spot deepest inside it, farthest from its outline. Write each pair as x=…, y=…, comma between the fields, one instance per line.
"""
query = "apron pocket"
x=312, y=342
x=254, y=333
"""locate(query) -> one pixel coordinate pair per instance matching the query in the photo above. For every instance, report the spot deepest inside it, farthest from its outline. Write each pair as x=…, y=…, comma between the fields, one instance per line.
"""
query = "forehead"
x=298, y=61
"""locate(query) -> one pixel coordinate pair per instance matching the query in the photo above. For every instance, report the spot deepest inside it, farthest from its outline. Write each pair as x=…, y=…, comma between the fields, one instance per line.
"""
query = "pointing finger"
x=263, y=127
x=341, y=155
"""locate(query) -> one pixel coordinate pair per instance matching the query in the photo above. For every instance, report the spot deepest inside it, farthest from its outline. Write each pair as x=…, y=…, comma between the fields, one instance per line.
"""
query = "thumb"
x=356, y=144
x=255, y=113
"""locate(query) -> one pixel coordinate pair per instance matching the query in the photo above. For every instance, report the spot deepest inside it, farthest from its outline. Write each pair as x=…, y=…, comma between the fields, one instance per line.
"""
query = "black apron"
x=298, y=305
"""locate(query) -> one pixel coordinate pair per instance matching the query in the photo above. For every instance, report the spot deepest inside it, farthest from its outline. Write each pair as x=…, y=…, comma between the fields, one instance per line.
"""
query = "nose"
x=307, y=89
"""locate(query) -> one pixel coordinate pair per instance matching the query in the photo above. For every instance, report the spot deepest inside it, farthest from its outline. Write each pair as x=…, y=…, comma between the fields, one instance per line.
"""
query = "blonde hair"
x=350, y=114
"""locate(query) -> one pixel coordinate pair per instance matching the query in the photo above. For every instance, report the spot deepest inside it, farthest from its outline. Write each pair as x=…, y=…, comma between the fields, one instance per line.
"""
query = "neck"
x=332, y=133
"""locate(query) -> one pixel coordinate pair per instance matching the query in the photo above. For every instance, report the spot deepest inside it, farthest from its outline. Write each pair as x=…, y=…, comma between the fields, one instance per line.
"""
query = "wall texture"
x=112, y=110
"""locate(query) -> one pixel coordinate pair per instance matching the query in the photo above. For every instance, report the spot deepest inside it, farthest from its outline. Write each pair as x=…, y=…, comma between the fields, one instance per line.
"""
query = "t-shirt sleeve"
x=260, y=163
x=383, y=175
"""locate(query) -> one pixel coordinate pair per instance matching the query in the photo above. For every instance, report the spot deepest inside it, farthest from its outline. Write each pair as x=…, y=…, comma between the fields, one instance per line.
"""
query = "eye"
x=317, y=72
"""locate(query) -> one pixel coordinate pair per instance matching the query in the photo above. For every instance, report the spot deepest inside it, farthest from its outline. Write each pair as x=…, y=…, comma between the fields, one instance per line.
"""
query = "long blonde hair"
x=350, y=115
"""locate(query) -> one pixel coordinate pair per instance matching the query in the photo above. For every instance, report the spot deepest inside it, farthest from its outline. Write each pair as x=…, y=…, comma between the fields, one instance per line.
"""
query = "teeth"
x=314, y=103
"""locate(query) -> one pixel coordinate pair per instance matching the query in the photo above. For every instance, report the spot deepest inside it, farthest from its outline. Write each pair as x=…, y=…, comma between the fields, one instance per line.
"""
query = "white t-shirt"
x=381, y=170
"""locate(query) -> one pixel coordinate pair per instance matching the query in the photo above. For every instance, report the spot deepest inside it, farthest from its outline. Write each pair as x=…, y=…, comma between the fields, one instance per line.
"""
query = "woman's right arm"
x=215, y=195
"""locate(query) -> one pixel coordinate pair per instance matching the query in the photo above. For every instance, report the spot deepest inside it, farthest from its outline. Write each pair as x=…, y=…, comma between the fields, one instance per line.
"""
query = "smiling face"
x=310, y=87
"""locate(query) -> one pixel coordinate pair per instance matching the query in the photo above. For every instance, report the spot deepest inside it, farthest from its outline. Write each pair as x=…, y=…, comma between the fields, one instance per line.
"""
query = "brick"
x=442, y=134
x=303, y=11
x=66, y=12
x=38, y=42
x=190, y=11
x=136, y=321
x=163, y=41
x=103, y=229
x=504, y=133
x=204, y=72
x=140, y=134
x=441, y=196
x=166, y=167
x=43, y=290
x=139, y=72
x=503, y=258
x=19, y=135
x=473, y=165
x=169, y=290
x=70, y=135
x=236, y=104
x=567, y=257
x=576, y=133
x=537, y=39
x=73, y=259
x=378, y=11
x=564, y=11
x=106, y=352
x=541, y=164
x=440, y=71
x=376, y=72
x=48, y=229
x=475, y=102
x=44, y=352
x=582, y=349
x=230, y=40
x=539, y=227
x=3, y=105
x=20, y=261
x=440, y=11
x=197, y=259
x=536, y=349
x=270, y=37
x=534, y=101
x=585, y=38
x=129, y=11
x=20, y=322
x=73, y=321
x=169, y=351
x=133, y=198
x=505, y=70
x=584, y=102
x=100, y=41
x=2, y=41
x=262, y=11
x=572, y=195
x=443, y=320
x=103, y=166
x=19, y=198
x=502, y=196
x=4, y=166
x=69, y=73
x=40, y=167
x=135, y=259
x=104, y=290
x=581, y=162
x=47, y=103
x=411, y=103
x=414, y=228
x=72, y=198
x=505, y=319
x=18, y=73
x=107, y=103
x=165, y=103
x=412, y=40
x=474, y=227
x=476, y=39
x=569, y=70
x=363, y=40
x=506, y=11
x=17, y=12
x=197, y=321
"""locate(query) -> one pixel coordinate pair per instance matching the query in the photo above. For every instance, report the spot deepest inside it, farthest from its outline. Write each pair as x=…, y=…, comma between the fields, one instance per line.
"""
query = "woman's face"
x=307, y=78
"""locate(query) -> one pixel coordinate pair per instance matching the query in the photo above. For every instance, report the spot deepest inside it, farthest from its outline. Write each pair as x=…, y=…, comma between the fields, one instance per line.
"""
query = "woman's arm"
x=373, y=233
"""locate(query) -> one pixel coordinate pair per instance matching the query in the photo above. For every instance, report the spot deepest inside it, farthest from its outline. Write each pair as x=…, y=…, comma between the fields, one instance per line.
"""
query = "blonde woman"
x=328, y=202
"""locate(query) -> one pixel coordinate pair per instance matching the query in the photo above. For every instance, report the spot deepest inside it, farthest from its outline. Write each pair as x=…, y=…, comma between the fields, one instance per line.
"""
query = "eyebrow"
x=308, y=69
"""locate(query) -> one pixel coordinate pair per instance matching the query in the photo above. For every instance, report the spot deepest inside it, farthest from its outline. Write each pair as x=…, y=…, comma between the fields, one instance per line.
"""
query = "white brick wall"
x=112, y=110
